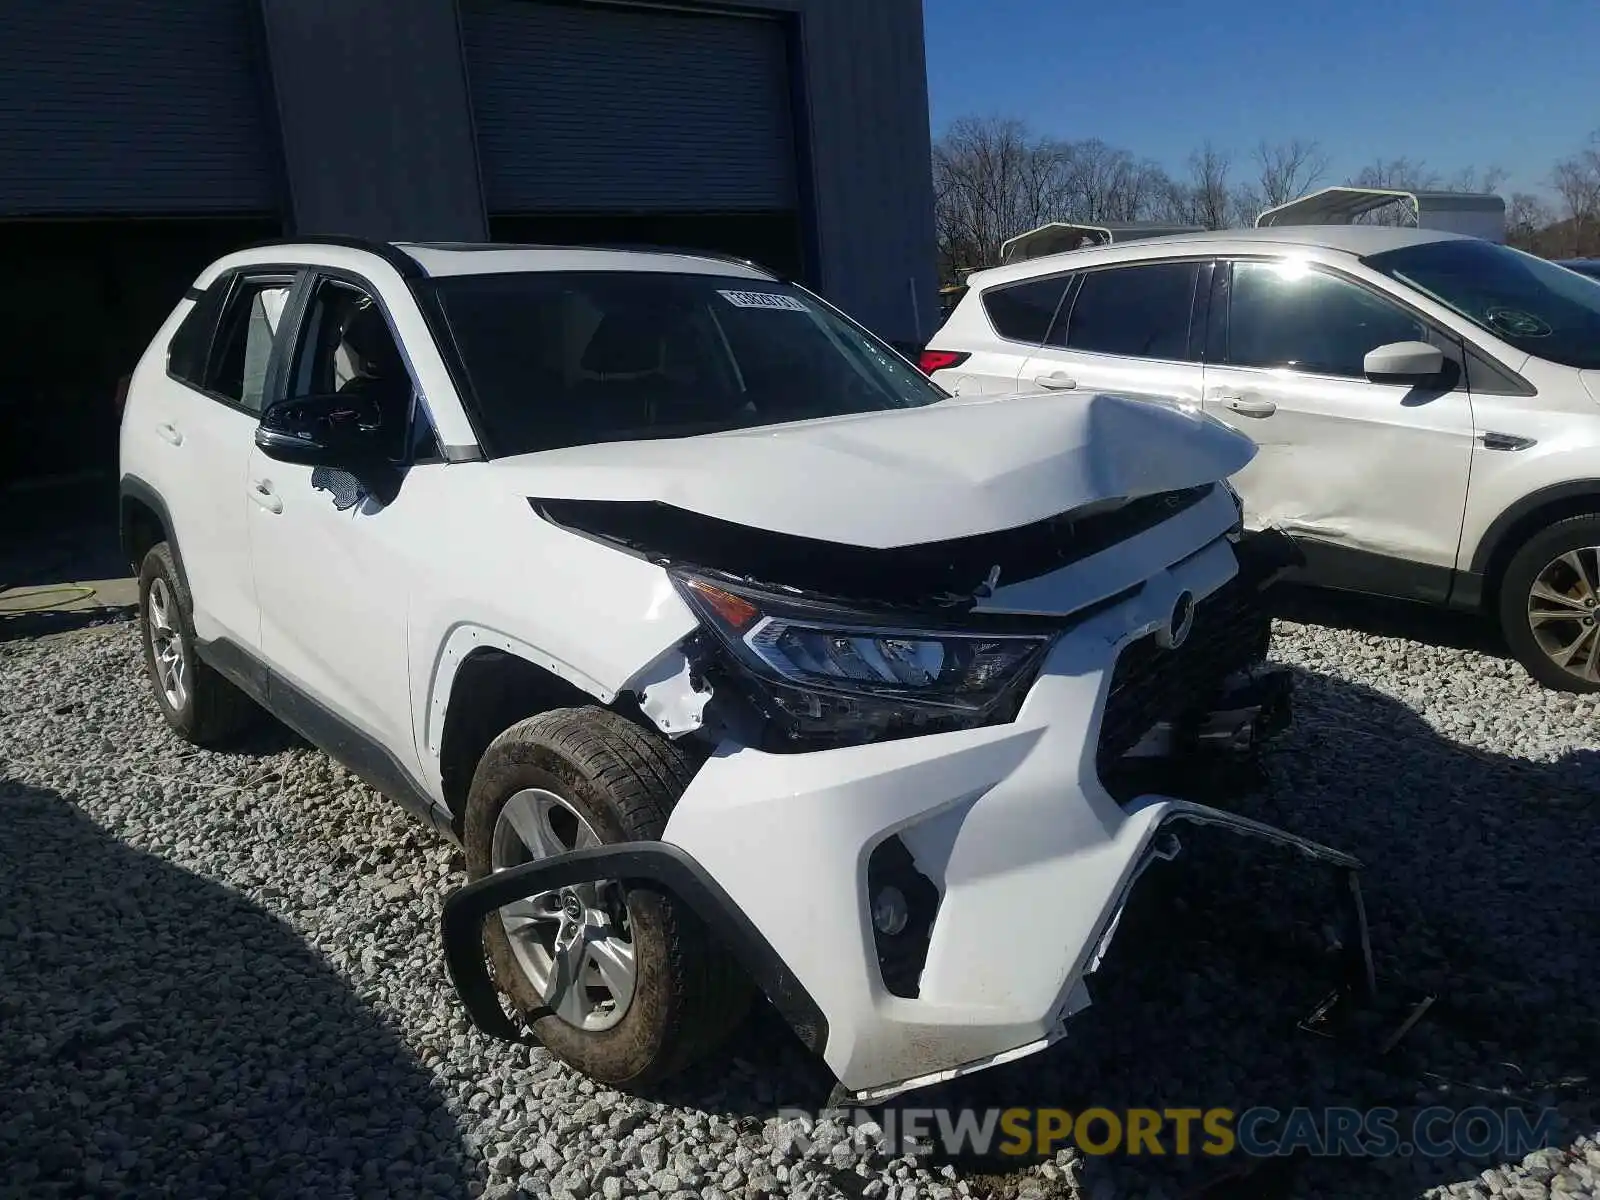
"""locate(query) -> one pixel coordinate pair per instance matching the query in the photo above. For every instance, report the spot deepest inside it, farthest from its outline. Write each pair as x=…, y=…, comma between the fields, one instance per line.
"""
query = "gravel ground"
x=221, y=972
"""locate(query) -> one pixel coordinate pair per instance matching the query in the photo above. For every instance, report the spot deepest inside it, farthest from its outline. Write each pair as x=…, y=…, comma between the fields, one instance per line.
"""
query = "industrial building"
x=140, y=140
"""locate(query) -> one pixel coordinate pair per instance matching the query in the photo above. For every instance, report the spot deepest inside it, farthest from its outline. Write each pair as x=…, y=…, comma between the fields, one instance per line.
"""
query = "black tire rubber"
x=216, y=712
x=690, y=992
x=1520, y=573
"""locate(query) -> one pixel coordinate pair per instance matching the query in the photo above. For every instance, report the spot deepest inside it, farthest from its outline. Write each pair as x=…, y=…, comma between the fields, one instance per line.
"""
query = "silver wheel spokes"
x=166, y=646
x=1563, y=608
x=574, y=944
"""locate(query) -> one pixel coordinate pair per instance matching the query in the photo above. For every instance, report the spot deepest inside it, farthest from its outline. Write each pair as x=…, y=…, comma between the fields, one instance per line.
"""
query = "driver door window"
x=1287, y=315
x=348, y=349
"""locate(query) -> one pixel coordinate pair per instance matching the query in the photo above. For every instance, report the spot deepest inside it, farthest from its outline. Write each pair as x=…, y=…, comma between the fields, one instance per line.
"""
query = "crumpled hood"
x=964, y=466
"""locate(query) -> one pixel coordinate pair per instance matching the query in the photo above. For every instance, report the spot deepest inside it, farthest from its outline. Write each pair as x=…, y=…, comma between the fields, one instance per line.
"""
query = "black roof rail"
x=408, y=267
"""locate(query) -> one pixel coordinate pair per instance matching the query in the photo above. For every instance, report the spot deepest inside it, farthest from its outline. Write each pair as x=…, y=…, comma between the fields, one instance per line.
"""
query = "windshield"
x=565, y=359
x=1534, y=305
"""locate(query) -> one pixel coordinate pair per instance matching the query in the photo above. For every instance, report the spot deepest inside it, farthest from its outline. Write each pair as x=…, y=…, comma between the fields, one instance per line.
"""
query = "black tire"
x=690, y=993
x=213, y=712
x=1574, y=533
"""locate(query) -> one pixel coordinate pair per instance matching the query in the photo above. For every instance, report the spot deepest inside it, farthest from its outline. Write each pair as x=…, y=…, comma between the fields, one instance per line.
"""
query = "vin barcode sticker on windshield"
x=763, y=300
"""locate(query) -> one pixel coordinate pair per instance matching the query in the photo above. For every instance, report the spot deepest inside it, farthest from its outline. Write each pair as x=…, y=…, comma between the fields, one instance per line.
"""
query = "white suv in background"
x=1426, y=406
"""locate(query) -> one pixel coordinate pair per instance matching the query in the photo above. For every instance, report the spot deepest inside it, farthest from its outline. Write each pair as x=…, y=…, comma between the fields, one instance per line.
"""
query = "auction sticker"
x=763, y=300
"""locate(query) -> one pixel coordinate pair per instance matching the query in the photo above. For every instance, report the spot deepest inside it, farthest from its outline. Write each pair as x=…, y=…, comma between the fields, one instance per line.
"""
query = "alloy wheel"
x=574, y=944
x=1563, y=611
x=166, y=645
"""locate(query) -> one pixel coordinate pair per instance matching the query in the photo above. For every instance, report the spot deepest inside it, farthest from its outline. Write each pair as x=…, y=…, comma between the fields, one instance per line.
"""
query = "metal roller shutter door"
x=113, y=107
x=609, y=109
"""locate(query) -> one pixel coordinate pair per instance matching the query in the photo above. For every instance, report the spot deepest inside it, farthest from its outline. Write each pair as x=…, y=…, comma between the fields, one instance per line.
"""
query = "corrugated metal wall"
x=109, y=106
x=871, y=150
x=600, y=109
x=377, y=127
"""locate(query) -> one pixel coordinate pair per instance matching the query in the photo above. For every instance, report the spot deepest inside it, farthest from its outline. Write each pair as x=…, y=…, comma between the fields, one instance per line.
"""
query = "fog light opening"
x=890, y=912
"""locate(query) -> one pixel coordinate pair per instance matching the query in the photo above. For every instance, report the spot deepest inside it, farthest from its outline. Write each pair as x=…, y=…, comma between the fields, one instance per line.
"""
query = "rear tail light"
x=941, y=360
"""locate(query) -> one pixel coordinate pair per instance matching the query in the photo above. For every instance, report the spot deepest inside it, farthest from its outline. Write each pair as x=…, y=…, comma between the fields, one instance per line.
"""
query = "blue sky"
x=1455, y=84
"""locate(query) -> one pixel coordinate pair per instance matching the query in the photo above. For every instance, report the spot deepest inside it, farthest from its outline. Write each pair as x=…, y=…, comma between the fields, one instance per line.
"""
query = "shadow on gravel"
x=1380, y=617
x=162, y=1035
x=1478, y=879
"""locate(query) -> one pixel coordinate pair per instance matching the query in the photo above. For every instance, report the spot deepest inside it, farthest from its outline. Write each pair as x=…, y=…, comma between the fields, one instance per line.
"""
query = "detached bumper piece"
x=655, y=866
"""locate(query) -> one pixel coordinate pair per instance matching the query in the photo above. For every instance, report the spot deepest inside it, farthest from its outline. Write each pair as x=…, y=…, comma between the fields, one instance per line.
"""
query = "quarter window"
x=1138, y=311
x=1023, y=312
x=191, y=344
x=1286, y=314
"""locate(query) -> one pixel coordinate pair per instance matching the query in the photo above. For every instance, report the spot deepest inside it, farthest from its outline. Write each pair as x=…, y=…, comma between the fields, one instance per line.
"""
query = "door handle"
x=1246, y=407
x=168, y=432
x=1056, y=381
x=261, y=492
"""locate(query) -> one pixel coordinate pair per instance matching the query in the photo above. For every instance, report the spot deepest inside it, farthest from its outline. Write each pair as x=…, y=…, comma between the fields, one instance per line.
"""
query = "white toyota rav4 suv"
x=1426, y=405
x=730, y=647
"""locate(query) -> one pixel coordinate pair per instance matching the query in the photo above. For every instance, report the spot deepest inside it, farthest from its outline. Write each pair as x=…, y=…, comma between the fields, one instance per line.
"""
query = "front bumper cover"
x=668, y=869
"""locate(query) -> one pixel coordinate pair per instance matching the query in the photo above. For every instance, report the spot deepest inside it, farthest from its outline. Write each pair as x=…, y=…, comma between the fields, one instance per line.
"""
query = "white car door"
x=204, y=423
x=1371, y=477
x=1127, y=329
x=334, y=563
x=990, y=336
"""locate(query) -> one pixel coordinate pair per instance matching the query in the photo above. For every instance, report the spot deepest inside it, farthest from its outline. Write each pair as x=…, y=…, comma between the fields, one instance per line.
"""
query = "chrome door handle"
x=261, y=492
x=168, y=432
x=1056, y=381
x=1248, y=408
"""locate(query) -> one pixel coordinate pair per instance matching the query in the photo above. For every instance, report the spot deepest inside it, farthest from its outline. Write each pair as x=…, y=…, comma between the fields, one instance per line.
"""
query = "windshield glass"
x=565, y=359
x=1536, y=306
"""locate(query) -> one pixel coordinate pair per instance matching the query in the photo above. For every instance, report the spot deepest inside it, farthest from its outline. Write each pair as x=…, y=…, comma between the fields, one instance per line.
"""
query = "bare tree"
x=1527, y=217
x=992, y=180
x=1211, y=201
x=1576, y=181
x=1288, y=170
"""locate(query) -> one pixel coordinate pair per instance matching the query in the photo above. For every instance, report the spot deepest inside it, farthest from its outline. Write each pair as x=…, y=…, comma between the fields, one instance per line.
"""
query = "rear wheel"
x=623, y=984
x=201, y=706
x=1550, y=605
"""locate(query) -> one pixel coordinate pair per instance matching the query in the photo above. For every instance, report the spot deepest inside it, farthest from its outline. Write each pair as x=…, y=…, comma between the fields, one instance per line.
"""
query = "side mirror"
x=343, y=432
x=1404, y=362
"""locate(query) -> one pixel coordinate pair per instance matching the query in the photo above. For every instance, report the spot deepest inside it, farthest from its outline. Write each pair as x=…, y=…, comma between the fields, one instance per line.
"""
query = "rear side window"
x=1022, y=312
x=243, y=345
x=1137, y=312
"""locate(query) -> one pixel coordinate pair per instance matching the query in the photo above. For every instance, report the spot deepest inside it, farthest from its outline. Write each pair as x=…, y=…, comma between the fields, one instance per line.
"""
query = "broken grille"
x=1150, y=685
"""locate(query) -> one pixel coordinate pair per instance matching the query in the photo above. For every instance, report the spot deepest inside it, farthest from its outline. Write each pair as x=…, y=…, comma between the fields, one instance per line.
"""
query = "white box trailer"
x=1476, y=214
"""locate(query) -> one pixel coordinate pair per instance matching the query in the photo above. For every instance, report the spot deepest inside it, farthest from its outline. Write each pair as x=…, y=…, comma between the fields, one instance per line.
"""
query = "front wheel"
x=1550, y=605
x=622, y=984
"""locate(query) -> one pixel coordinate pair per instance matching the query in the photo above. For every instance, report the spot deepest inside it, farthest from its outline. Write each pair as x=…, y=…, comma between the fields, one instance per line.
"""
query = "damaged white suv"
x=732, y=650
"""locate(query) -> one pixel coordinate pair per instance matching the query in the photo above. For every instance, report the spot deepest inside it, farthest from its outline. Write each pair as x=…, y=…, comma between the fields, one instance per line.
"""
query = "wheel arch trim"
x=133, y=488
x=1492, y=546
x=469, y=638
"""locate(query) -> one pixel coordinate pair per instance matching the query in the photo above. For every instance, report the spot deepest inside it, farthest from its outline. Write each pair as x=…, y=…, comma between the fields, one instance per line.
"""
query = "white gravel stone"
x=222, y=969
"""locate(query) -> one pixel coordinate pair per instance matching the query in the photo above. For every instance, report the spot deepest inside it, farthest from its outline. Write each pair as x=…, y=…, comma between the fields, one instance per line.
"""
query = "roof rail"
x=1476, y=214
x=408, y=267
x=1056, y=237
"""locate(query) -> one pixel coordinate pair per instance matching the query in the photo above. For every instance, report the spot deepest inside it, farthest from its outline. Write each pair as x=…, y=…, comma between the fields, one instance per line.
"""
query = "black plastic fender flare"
x=657, y=866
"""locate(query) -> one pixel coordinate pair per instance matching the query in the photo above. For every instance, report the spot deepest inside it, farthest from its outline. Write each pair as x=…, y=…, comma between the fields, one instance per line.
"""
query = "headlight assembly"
x=827, y=675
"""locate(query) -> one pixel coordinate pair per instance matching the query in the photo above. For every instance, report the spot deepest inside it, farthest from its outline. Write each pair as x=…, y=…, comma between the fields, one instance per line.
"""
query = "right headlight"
x=832, y=675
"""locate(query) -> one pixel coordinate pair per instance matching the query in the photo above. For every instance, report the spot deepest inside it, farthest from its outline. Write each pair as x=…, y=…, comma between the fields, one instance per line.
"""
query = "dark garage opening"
x=79, y=301
x=769, y=239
